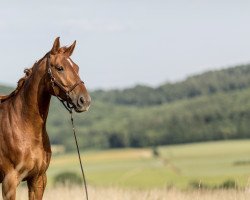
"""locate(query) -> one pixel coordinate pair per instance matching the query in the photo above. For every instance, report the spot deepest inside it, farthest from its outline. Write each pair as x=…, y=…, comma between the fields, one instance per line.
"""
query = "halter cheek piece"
x=67, y=103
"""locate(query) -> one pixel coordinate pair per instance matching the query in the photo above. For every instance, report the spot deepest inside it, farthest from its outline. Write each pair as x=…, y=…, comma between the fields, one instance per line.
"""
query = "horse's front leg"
x=9, y=186
x=36, y=187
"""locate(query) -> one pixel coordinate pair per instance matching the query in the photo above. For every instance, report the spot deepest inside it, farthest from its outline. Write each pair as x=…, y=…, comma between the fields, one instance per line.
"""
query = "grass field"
x=128, y=174
x=178, y=166
x=64, y=193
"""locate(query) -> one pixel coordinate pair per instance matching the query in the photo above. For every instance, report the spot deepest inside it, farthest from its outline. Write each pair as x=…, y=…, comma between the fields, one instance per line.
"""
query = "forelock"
x=62, y=49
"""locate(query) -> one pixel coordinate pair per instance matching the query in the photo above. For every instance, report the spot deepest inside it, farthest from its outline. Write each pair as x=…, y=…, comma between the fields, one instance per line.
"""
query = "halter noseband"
x=67, y=104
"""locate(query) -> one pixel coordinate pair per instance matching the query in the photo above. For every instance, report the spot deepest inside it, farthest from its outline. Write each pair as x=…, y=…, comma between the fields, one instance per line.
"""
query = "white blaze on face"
x=70, y=62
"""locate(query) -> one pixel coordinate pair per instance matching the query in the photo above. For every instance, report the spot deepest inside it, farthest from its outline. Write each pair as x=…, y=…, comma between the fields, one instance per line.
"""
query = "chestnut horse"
x=24, y=143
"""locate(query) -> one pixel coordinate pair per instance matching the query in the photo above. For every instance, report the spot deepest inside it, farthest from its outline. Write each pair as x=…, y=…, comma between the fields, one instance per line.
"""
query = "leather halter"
x=67, y=103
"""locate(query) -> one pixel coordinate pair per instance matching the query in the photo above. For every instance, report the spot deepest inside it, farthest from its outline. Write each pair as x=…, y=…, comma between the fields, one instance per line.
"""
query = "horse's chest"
x=35, y=162
x=38, y=160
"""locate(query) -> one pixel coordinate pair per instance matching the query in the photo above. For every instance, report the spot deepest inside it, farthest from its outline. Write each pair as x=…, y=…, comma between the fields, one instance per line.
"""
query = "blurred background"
x=170, y=83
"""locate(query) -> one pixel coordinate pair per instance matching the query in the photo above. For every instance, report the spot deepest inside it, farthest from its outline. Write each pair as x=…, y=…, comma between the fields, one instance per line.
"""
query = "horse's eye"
x=59, y=68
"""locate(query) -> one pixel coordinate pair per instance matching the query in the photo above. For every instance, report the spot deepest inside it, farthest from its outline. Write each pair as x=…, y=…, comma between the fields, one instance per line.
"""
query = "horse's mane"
x=28, y=72
x=20, y=84
x=21, y=81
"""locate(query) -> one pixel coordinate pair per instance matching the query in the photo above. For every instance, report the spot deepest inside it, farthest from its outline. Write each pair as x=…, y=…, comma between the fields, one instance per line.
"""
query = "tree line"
x=212, y=106
x=212, y=82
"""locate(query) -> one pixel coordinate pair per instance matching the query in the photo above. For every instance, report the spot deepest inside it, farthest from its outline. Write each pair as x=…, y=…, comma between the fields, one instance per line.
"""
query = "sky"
x=124, y=43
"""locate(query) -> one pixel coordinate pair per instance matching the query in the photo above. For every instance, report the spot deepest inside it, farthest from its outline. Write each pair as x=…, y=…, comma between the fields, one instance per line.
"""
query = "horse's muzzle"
x=82, y=103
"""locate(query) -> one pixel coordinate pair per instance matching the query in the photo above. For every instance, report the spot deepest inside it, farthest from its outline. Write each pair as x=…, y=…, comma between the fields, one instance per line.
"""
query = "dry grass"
x=65, y=193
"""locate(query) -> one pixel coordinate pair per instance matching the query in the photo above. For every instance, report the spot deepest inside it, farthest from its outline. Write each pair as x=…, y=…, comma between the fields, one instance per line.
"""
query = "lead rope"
x=79, y=155
x=69, y=108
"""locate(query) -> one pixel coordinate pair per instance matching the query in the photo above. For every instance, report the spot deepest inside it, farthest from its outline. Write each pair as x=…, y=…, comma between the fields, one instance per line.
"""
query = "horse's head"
x=63, y=78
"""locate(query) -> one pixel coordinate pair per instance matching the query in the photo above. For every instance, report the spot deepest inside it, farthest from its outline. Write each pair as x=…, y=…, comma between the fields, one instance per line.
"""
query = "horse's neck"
x=35, y=98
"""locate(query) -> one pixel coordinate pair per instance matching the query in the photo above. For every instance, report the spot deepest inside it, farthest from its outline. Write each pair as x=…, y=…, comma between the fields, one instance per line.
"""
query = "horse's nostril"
x=81, y=100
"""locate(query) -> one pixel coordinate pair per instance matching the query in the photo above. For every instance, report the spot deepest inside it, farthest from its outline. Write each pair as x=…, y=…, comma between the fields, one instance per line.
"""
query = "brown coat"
x=24, y=143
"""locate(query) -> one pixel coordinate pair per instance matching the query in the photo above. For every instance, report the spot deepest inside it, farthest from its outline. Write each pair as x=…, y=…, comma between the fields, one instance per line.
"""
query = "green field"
x=209, y=163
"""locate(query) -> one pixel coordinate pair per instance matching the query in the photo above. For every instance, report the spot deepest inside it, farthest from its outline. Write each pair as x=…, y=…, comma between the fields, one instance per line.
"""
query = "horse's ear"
x=56, y=46
x=70, y=49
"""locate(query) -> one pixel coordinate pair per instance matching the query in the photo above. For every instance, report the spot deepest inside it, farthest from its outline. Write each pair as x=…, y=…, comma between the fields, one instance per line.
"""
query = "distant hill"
x=212, y=82
x=211, y=106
